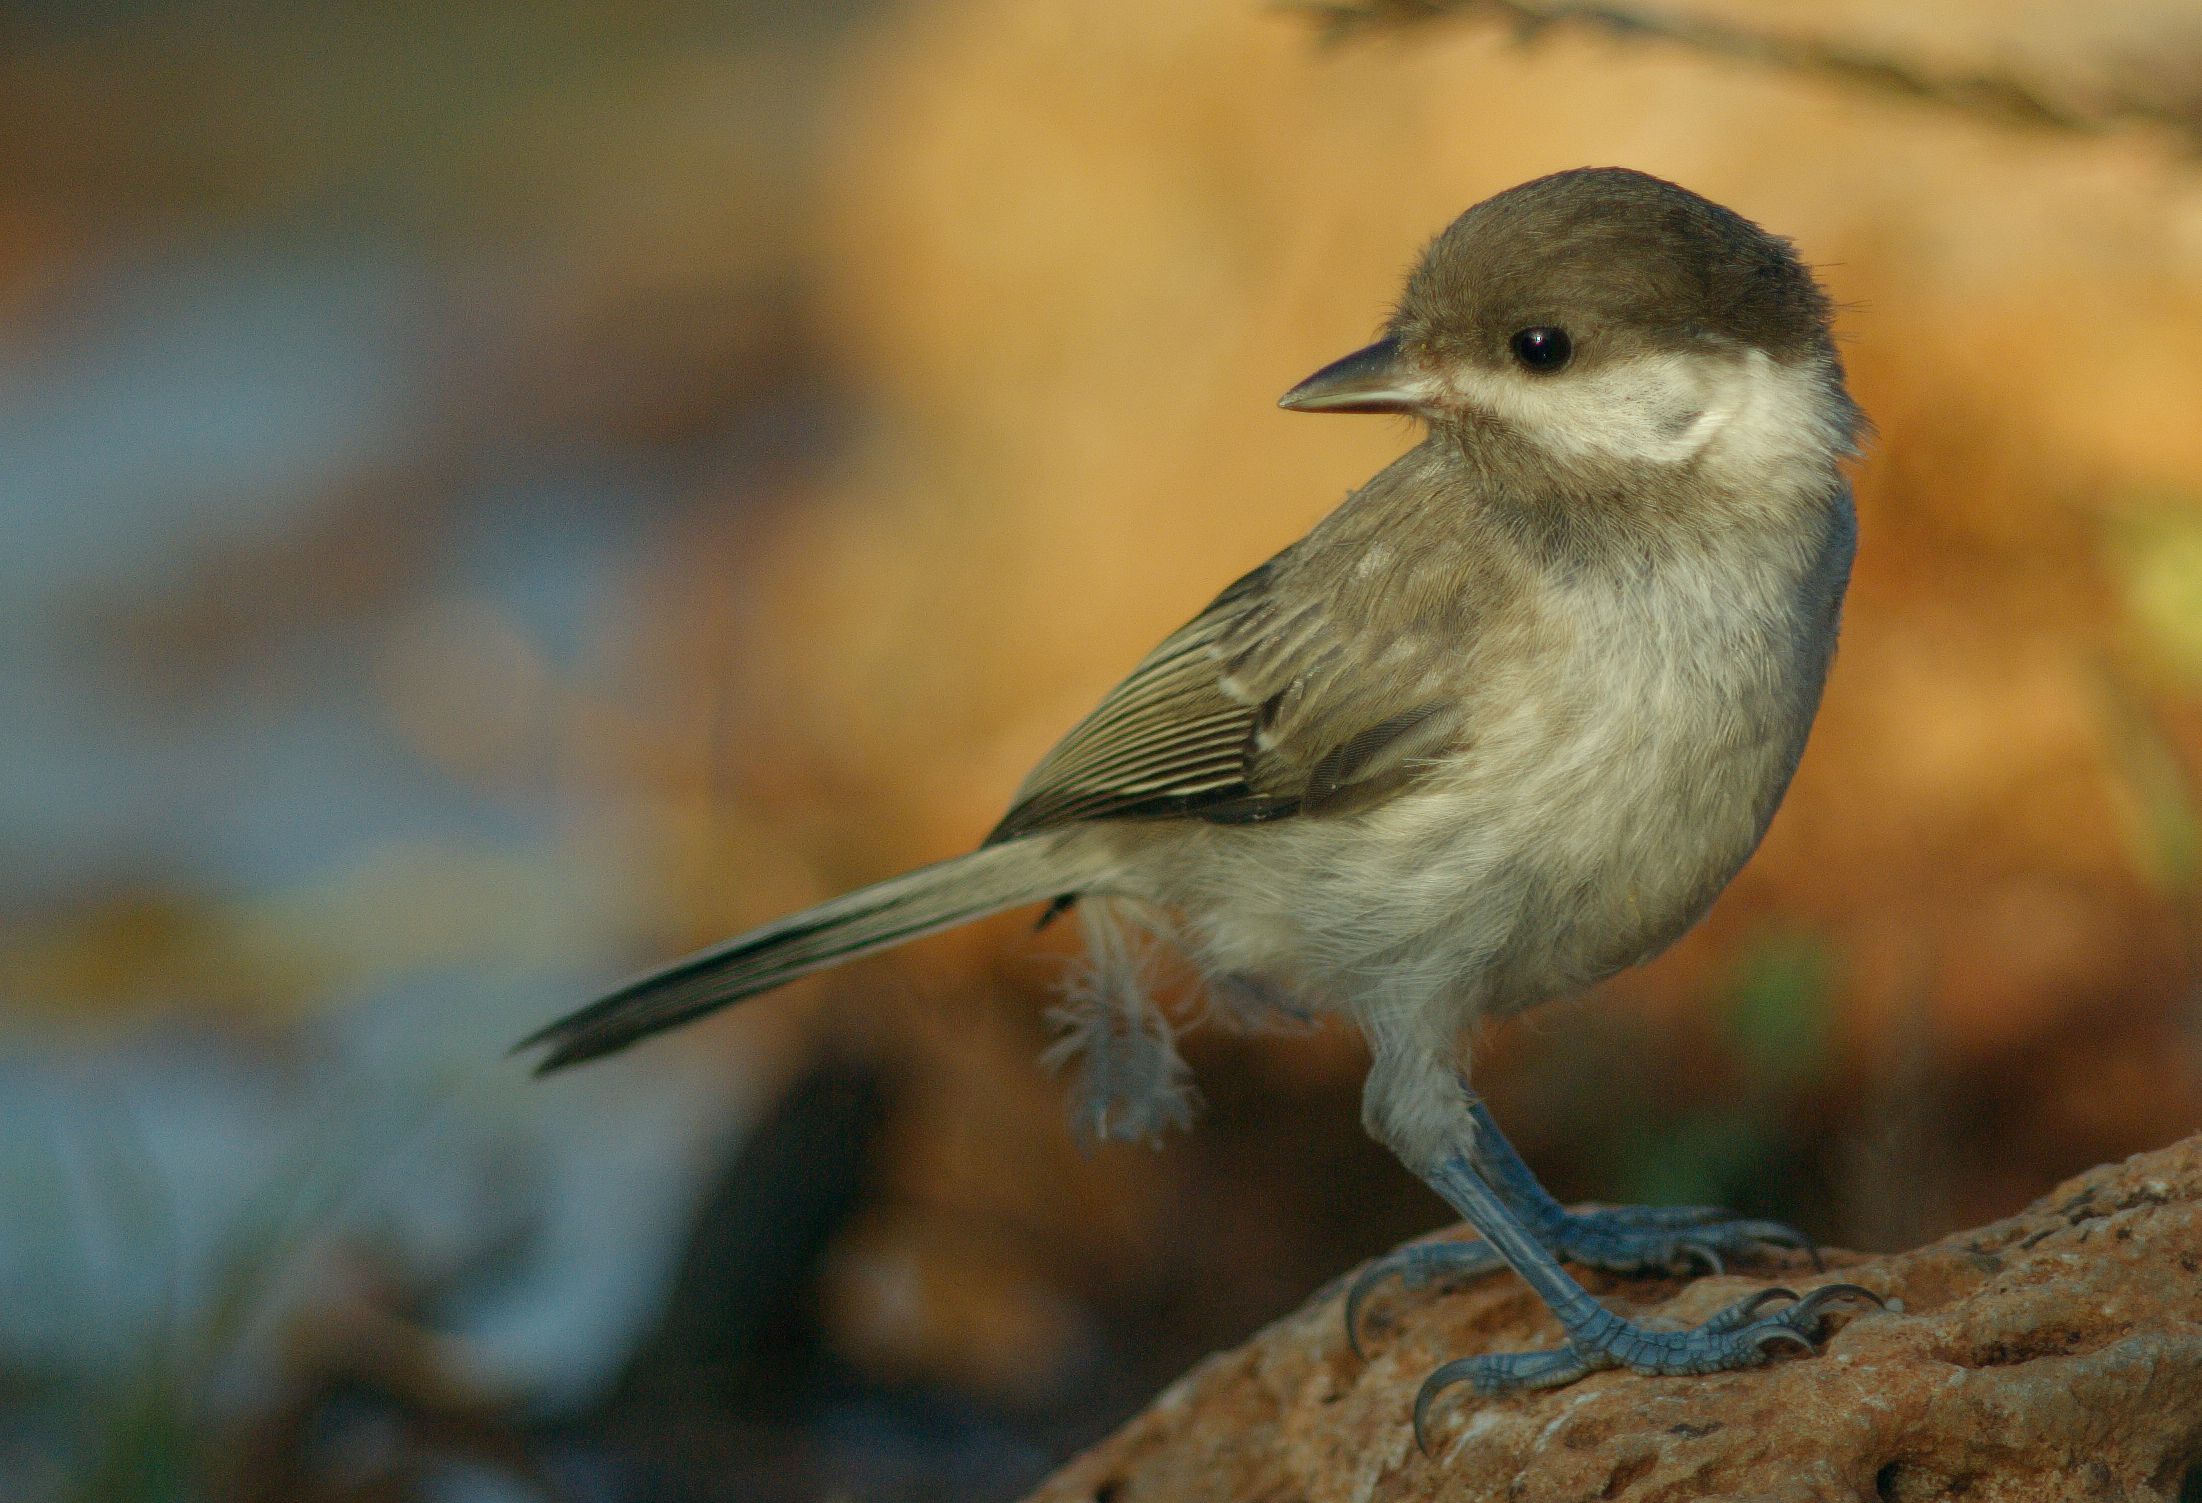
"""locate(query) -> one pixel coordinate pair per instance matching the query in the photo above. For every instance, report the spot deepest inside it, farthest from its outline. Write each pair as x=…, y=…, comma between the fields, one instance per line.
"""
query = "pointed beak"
x=1372, y=380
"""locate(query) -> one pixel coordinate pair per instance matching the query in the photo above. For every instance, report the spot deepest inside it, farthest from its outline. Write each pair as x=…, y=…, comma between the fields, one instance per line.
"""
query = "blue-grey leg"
x=1742, y=1335
x=1623, y=1239
x=1620, y=1239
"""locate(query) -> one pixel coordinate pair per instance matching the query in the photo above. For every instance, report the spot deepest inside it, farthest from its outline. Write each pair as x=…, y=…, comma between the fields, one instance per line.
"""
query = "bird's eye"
x=1543, y=349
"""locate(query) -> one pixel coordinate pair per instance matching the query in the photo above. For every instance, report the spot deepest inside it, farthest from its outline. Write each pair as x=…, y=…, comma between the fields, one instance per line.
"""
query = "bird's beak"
x=1372, y=380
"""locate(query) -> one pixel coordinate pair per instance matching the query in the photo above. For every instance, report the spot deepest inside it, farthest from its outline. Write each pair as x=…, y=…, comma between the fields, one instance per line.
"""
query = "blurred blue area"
x=178, y=405
x=345, y=387
x=177, y=396
x=183, y=1196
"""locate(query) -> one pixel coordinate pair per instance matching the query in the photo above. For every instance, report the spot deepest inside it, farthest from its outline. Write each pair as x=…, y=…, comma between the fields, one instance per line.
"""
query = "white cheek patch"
x=1741, y=410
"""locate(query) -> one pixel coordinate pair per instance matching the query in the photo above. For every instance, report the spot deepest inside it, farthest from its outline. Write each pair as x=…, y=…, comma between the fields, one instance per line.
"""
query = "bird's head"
x=1604, y=315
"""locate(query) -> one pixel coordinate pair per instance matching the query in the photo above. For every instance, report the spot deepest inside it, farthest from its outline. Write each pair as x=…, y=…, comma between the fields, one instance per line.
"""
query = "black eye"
x=1542, y=348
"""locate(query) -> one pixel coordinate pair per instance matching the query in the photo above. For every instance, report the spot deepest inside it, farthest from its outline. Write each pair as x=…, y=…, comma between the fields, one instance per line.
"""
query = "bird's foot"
x=1667, y=1239
x=1619, y=1239
x=1737, y=1337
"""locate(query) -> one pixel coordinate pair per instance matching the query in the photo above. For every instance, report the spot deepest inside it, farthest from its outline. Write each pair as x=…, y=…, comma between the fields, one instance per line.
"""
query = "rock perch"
x=2055, y=1355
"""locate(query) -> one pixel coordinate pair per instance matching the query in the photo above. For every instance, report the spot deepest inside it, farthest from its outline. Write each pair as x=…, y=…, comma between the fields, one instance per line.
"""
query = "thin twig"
x=1999, y=96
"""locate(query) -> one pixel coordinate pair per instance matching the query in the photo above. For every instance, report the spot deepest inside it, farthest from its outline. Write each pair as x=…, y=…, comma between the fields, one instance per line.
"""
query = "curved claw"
x=1708, y=1256
x=1765, y=1297
x=1803, y=1309
x=1773, y=1335
x=1835, y=1294
x=1459, y=1370
x=1775, y=1234
x=1781, y=1234
x=1746, y=1310
x=1415, y=1264
x=1358, y=1292
x=1501, y=1372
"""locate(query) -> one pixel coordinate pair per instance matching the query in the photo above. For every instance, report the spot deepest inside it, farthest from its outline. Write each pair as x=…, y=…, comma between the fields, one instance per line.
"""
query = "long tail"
x=871, y=918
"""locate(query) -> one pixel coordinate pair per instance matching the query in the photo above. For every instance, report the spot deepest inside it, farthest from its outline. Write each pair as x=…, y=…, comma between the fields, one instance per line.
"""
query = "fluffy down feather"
x=1131, y=1085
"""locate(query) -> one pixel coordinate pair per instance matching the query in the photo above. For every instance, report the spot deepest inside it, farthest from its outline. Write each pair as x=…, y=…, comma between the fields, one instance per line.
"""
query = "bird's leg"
x=1623, y=1239
x=1744, y=1334
x=1619, y=1239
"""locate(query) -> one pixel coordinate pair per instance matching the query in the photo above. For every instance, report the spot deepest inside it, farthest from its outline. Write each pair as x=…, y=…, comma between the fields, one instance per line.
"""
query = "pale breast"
x=1616, y=780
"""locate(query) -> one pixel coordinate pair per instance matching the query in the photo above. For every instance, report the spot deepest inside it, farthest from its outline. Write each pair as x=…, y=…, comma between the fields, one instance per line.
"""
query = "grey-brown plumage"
x=1503, y=723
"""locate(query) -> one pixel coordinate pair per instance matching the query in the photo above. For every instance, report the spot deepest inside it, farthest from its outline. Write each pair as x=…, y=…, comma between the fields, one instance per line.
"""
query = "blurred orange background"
x=501, y=494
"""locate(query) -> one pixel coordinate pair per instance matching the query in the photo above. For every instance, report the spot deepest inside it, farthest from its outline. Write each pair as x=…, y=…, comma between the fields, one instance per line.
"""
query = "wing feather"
x=1256, y=709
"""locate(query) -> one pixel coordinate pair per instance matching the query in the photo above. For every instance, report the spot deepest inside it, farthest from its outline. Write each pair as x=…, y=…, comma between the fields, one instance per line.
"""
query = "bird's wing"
x=1259, y=708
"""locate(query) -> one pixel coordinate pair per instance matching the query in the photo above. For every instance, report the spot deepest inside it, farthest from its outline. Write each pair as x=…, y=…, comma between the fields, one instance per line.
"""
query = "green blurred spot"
x=2156, y=553
x=1780, y=1011
x=2162, y=822
x=1699, y=1160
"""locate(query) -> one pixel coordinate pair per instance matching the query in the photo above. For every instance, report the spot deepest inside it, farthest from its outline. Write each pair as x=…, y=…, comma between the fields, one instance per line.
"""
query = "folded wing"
x=1260, y=708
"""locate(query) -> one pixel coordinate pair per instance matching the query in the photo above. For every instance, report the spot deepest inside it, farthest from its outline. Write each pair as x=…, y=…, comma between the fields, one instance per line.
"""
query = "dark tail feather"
x=872, y=918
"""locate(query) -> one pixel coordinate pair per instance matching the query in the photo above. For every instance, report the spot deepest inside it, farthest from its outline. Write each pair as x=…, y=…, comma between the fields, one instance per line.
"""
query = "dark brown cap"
x=1625, y=262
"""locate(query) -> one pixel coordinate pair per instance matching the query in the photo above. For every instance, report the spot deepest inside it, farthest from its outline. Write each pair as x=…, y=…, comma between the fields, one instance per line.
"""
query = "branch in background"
x=1999, y=96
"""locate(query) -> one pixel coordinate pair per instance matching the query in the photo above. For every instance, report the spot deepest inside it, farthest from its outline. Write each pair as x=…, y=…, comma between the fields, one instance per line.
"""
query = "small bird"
x=1502, y=724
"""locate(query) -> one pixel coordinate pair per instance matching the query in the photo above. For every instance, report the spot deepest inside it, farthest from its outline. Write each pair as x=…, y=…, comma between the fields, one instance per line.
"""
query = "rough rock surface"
x=2055, y=1355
